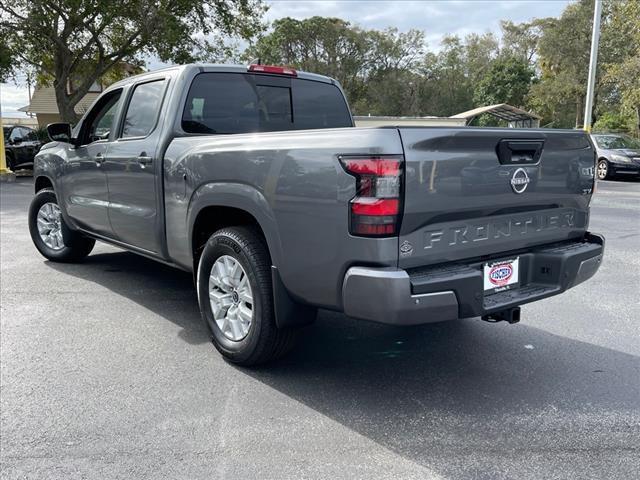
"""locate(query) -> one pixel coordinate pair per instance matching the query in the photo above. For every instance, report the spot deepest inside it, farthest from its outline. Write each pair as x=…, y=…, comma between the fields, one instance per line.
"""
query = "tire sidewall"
x=223, y=244
x=10, y=160
x=42, y=197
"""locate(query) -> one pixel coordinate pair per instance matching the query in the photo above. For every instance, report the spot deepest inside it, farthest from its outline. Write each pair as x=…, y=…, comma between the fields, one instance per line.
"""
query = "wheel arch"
x=42, y=182
x=217, y=205
x=220, y=205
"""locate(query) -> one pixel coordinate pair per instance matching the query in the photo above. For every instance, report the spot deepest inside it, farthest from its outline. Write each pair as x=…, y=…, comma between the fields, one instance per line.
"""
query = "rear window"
x=227, y=103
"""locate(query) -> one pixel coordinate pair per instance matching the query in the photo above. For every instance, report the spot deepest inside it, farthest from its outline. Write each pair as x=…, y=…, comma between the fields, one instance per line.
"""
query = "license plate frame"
x=501, y=275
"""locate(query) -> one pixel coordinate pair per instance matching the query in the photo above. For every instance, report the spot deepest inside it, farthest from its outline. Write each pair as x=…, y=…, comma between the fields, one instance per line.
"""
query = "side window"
x=237, y=103
x=16, y=134
x=319, y=105
x=101, y=119
x=30, y=135
x=143, y=109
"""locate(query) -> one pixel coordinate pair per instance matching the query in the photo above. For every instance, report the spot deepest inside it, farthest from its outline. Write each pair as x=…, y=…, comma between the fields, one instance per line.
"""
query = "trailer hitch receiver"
x=511, y=315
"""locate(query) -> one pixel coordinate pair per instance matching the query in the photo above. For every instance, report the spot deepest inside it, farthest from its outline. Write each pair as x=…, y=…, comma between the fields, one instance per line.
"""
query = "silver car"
x=617, y=155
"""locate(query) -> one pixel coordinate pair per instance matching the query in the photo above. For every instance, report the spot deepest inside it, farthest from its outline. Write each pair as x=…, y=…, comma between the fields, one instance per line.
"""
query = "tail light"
x=375, y=210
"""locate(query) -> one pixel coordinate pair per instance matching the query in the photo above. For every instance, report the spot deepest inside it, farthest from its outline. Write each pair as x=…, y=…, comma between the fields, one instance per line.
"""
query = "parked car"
x=617, y=155
x=255, y=179
x=21, y=146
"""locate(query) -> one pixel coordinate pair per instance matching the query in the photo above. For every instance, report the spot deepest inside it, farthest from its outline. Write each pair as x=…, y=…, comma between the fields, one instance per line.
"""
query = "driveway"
x=107, y=372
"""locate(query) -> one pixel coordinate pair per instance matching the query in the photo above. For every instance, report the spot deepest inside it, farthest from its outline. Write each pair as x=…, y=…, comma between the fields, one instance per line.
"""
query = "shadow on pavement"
x=439, y=393
x=164, y=290
x=436, y=394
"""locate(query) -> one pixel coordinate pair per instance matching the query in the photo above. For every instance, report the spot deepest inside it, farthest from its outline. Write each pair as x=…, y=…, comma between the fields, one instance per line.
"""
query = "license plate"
x=501, y=275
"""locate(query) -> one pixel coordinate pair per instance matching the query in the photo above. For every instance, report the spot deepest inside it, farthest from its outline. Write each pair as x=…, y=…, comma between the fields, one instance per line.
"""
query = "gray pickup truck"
x=256, y=180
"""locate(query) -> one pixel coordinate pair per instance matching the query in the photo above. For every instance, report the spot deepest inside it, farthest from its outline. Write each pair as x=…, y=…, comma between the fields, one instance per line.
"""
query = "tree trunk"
x=66, y=106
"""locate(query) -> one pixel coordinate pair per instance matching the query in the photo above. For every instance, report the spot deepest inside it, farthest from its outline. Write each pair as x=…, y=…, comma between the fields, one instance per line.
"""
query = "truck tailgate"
x=479, y=192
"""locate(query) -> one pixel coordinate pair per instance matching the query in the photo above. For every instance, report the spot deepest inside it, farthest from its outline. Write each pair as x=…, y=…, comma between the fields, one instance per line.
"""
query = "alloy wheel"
x=603, y=170
x=49, y=222
x=230, y=297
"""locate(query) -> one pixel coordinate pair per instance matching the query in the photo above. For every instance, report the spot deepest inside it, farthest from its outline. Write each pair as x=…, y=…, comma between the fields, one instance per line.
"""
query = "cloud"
x=435, y=18
x=12, y=97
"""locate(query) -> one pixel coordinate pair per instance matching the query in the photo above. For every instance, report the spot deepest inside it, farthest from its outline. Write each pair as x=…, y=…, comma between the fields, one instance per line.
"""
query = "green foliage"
x=6, y=61
x=336, y=48
x=73, y=43
x=42, y=134
x=622, y=73
x=507, y=80
x=563, y=59
x=540, y=65
x=613, y=122
x=521, y=40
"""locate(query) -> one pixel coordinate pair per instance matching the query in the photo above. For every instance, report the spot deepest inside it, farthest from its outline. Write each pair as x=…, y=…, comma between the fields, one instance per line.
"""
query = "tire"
x=74, y=247
x=240, y=341
x=603, y=170
x=10, y=161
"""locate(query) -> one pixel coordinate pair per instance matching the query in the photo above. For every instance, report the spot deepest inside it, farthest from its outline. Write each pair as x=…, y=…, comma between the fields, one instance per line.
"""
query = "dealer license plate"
x=501, y=275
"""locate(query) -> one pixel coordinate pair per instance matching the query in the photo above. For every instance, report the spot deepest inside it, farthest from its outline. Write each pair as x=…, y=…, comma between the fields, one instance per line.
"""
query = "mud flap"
x=289, y=313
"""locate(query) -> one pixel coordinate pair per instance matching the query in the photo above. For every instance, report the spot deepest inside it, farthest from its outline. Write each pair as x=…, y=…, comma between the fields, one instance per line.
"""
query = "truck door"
x=131, y=167
x=84, y=183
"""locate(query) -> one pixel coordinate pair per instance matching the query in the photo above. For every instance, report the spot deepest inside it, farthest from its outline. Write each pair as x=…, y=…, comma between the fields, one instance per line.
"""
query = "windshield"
x=5, y=131
x=613, y=142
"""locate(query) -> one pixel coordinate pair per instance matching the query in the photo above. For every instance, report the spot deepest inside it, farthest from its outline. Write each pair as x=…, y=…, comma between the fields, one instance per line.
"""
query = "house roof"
x=501, y=110
x=43, y=101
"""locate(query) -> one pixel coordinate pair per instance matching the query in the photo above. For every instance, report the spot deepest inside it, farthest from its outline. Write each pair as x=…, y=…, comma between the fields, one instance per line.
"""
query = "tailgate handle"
x=519, y=152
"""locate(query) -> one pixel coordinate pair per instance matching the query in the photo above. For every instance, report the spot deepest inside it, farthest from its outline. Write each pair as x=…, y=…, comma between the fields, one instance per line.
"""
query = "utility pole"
x=593, y=63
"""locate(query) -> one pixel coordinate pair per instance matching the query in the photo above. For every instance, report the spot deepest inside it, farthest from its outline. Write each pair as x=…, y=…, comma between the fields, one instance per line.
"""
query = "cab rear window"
x=226, y=103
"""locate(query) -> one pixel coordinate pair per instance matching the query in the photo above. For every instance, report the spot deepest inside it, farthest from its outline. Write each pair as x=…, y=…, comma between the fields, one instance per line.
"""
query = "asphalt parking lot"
x=107, y=372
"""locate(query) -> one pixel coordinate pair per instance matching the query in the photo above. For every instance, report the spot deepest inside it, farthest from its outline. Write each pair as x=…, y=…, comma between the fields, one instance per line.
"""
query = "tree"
x=563, y=53
x=521, y=40
x=357, y=58
x=74, y=43
x=6, y=61
x=622, y=72
x=507, y=80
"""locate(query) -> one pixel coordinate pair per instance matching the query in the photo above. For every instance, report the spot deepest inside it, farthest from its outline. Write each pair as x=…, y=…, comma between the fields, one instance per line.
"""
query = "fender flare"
x=240, y=196
x=288, y=312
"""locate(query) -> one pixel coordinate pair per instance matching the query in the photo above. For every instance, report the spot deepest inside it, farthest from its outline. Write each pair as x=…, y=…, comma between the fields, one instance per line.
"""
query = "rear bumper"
x=452, y=291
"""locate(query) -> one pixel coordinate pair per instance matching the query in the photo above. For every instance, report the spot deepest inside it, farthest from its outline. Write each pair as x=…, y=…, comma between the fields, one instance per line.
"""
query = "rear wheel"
x=236, y=299
x=50, y=234
x=603, y=169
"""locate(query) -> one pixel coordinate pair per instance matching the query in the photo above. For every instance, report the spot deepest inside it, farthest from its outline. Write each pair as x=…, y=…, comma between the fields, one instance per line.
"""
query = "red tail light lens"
x=375, y=210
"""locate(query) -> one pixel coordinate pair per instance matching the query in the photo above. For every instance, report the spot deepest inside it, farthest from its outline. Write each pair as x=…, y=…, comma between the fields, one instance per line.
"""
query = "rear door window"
x=143, y=109
x=224, y=103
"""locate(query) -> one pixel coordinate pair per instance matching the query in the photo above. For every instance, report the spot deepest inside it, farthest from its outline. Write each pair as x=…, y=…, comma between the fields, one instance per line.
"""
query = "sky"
x=435, y=18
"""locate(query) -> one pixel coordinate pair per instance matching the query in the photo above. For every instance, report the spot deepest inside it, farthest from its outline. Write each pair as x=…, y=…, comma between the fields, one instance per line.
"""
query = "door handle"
x=144, y=160
x=99, y=159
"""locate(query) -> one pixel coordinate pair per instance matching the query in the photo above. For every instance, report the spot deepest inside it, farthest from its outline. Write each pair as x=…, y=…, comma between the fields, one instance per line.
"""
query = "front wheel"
x=236, y=299
x=603, y=169
x=51, y=235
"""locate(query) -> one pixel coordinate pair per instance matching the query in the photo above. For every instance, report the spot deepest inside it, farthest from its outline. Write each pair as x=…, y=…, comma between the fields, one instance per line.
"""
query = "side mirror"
x=16, y=141
x=59, y=132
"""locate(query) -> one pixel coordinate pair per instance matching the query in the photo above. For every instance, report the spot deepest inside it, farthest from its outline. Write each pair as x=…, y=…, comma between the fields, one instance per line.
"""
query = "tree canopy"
x=74, y=43
x=540, y=65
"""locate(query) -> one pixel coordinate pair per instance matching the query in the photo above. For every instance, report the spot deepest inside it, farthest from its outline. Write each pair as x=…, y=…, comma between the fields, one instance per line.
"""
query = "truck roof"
x=214, y=67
